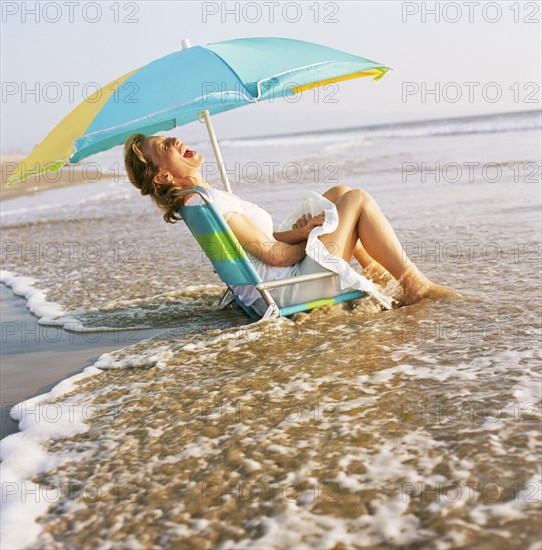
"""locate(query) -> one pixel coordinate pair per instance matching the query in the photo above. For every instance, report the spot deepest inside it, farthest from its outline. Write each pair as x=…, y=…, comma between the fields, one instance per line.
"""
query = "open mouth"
x=189, y=153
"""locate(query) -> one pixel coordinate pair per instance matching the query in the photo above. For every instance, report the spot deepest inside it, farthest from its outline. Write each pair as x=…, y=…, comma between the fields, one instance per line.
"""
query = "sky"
x=478, y=58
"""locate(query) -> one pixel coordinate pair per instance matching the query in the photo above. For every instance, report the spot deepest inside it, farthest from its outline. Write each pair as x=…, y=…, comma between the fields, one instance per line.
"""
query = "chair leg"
x=272, y=312
x=226, y=298
x=272, y=307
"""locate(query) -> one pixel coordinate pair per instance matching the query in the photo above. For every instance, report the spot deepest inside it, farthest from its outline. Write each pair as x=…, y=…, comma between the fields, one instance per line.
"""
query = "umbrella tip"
x=186, y=43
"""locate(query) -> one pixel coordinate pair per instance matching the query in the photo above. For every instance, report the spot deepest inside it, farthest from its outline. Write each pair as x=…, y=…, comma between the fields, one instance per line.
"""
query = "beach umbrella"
x=188, y=85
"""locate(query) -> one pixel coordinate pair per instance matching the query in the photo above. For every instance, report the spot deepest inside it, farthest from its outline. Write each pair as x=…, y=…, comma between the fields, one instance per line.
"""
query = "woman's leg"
x=361, y=218
x=359, y=253
x=371, y=268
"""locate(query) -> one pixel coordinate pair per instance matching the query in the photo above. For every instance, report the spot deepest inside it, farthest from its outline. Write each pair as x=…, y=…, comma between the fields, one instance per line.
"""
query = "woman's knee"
x=359, y=196
x=334, y=193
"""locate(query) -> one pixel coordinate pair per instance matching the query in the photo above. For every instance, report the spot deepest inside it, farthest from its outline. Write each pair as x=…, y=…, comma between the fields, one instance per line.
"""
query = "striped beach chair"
x=234, y=267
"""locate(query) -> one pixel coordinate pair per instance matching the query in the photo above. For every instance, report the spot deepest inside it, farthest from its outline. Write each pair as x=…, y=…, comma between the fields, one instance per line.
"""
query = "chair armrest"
x=294, y=280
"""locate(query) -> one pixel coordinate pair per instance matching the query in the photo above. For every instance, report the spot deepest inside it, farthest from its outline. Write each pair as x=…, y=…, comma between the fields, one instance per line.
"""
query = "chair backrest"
x=217, y=241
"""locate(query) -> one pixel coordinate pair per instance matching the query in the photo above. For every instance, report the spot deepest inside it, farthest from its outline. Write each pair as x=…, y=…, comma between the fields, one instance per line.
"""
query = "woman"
x=160, y=165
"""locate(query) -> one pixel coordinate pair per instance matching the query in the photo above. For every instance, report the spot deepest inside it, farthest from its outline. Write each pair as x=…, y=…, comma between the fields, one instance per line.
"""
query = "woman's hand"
x=300, y=229
x=307, y=223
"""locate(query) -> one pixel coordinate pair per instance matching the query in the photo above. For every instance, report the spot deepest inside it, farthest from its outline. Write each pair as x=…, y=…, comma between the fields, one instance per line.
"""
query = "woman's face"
x=174, y=159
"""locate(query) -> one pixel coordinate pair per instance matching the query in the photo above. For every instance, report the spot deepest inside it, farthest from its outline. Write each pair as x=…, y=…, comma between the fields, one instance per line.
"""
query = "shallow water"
x=343, y=428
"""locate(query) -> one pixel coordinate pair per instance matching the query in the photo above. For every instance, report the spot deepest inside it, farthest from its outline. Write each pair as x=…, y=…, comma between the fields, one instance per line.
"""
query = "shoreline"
x=35, y=357
x=66, y=176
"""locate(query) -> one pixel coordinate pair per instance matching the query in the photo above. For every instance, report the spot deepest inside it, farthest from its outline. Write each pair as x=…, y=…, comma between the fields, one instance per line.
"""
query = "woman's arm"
x=293, y=236
x=255, y=241
x=301, y=229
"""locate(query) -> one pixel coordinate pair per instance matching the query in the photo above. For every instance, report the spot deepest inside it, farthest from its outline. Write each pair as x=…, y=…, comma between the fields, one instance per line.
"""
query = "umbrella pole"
x=218, y=155
x=212, y=136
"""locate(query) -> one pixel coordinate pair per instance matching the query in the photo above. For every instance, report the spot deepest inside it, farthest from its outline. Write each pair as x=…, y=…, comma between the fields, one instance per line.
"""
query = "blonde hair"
x=142, y=172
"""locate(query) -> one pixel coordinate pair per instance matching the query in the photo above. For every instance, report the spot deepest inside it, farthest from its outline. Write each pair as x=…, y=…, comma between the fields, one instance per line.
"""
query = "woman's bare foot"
x=416, y=285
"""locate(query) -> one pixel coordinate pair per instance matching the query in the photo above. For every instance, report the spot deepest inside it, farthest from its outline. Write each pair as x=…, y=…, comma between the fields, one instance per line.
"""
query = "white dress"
x=317, y=259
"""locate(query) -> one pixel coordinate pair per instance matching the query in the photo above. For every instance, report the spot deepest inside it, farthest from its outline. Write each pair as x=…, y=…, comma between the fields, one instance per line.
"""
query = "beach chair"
x=234, y=267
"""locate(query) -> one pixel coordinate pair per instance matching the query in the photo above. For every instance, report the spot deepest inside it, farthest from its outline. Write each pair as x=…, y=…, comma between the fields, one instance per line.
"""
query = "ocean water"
x=344, y=428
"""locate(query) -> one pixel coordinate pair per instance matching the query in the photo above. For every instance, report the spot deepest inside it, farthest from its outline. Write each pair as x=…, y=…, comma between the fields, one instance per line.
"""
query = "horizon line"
x=370, y=126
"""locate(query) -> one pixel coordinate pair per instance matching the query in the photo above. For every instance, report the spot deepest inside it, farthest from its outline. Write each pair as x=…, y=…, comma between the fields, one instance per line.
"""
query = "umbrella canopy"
x=172, y=90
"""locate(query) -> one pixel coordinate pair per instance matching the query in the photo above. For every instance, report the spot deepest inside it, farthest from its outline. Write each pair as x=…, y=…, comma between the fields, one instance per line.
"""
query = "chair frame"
x=264, y=287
